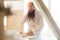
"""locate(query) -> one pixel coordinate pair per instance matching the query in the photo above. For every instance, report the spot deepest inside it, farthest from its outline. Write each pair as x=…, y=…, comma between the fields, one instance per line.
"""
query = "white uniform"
x=35, y=25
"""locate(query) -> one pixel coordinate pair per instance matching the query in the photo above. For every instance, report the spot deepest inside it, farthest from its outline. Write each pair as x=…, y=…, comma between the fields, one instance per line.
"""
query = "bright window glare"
x=25, y=6
x=55, y=11
x=15, y=5
x=5, y=22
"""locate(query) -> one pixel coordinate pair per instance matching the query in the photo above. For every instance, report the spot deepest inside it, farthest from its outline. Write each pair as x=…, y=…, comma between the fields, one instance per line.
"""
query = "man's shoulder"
x=37, y=12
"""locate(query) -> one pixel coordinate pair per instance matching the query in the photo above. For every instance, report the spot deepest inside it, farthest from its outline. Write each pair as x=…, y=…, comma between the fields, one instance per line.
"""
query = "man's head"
x=31, y=6
x=31, y=10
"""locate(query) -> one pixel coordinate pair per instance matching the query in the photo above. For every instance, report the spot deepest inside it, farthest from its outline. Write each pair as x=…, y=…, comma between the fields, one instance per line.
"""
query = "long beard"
x=31, y=14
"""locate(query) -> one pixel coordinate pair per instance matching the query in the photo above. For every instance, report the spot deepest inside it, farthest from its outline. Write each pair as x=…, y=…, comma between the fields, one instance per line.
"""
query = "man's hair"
x=31, y=14
x=31, y=3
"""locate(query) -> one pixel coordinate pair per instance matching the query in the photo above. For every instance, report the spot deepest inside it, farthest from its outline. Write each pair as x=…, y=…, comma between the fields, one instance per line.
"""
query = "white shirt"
x=36, y=25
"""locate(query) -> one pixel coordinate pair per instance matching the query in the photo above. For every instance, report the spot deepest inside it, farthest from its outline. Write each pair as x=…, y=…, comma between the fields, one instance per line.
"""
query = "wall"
x=14, y=21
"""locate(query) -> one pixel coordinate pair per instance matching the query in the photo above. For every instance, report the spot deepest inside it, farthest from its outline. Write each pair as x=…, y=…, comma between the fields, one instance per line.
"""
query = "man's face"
x=30, y=6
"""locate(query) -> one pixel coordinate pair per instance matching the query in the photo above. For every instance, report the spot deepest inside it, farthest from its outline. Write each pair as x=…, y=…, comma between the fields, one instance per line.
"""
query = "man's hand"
x=29, y=33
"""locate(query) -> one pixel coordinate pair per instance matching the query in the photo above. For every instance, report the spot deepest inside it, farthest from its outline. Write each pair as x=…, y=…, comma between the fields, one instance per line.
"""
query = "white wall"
x=55, y=11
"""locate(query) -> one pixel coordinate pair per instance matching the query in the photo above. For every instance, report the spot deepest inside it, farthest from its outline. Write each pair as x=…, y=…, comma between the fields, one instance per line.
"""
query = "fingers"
x=30, y=33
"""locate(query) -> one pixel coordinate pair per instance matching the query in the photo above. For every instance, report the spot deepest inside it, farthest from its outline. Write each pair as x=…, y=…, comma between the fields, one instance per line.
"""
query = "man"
x=34, y=20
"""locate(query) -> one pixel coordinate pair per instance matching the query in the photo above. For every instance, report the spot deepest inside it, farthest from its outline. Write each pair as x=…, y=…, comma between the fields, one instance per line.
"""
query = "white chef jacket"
x=36, y=25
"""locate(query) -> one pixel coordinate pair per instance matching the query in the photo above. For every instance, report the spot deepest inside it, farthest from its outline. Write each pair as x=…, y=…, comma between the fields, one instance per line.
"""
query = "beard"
x=31, y=14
